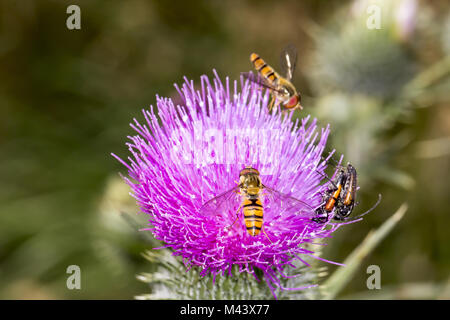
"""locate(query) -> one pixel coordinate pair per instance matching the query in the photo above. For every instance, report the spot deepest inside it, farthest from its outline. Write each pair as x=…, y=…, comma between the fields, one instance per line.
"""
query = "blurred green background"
x=67, y=96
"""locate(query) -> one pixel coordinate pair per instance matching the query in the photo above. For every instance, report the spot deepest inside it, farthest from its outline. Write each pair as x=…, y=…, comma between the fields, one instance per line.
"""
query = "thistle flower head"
x=188, y=154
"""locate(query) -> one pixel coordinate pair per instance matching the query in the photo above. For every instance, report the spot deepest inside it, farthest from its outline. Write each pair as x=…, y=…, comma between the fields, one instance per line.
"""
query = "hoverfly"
x=250, y=189
x=281, y=87
x=341, y=197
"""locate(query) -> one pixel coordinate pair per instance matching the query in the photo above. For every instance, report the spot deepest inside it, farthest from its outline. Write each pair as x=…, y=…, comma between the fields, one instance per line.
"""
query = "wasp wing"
x=286, y=204
x=288, y=61
x=259, y=80
x=217, y=205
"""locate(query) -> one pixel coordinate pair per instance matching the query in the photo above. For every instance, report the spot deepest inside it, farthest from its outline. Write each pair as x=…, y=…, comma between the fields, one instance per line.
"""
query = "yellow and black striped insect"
x=251, y=190
x=281, y=87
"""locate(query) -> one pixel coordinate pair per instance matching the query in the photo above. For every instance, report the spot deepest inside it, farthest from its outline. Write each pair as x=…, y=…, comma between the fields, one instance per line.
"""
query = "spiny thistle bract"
x=171, y=281
x=196, y=153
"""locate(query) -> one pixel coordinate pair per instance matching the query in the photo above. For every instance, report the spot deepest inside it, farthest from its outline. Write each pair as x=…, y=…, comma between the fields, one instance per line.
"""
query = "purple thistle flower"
x=185, y=155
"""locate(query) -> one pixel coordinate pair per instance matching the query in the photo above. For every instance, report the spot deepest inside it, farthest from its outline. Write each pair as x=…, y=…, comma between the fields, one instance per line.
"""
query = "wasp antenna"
x=363, y=214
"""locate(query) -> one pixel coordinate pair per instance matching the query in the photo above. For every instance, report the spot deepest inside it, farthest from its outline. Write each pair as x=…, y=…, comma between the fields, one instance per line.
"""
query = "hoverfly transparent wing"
x=286, y=204
x=217, y=205
x=259, y=80
x=288, y=61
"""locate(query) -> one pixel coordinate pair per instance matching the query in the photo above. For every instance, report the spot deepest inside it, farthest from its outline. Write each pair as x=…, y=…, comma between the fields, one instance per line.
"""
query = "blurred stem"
x=337, y=281
x=427, y=78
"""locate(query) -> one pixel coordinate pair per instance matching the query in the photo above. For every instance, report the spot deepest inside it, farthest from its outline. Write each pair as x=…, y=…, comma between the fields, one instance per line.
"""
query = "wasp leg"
x=322, y=218
x=326, y=177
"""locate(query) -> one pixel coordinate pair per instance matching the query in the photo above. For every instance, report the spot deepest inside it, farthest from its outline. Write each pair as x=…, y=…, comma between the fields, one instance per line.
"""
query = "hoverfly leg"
x=271, y=104
x=237, y=216
x=263, y=230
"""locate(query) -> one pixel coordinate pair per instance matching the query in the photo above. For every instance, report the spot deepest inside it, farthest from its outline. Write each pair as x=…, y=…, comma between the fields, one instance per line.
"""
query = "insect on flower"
x=185, y=154
x=331, y=198
x=281, y=87
x=347, y=199
x=250, y=188
x=341, y=197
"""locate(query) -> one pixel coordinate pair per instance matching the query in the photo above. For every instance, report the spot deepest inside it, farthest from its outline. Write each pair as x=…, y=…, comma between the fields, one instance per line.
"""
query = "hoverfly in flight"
x=281, y=87
x=250, y=189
